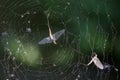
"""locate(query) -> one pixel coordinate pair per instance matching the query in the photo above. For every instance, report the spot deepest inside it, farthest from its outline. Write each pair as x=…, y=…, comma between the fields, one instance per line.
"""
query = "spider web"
x=90, y=26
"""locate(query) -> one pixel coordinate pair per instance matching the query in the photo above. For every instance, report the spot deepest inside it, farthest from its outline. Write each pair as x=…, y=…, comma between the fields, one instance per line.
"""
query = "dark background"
x=90, y=26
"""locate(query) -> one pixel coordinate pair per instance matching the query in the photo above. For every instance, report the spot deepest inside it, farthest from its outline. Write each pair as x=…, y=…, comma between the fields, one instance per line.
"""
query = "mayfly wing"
x=98, y=63
x=49, y=40
x=45, y=41
x=58, y=34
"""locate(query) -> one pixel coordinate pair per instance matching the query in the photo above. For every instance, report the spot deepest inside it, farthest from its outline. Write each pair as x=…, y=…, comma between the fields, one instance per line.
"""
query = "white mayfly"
x=96, y=61
x=52, y=37
x=99, y=64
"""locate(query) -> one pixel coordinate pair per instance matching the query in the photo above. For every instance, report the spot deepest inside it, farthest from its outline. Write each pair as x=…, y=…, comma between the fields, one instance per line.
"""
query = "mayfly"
x=96, y=61
x=99, y=64
x=52, y=37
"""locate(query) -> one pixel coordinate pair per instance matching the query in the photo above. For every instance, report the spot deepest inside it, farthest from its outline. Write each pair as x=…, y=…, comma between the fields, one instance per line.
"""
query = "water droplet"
x=28, y=29
x=34, y=12
x=78, y=76
x=28, y=21
x=54, y=65
x=68, y=3
x=22, y=16
x=12, y=75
